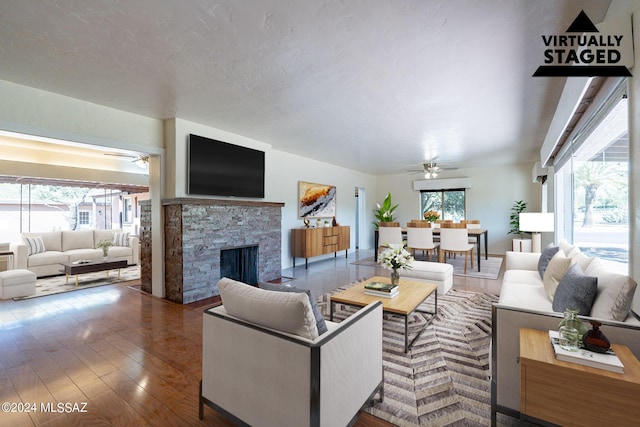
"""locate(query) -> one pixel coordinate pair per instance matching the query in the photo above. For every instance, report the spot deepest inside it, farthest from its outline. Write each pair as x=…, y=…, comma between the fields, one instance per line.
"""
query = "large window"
x=592, y=185
x=449, y=203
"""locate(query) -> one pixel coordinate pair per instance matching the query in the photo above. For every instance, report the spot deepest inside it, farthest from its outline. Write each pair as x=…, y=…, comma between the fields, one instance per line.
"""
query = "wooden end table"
x=92, y=267
x=566, y=393
x=412, y=294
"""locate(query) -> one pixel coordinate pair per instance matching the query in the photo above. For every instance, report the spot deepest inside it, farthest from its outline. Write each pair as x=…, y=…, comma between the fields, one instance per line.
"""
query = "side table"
x=566, y=393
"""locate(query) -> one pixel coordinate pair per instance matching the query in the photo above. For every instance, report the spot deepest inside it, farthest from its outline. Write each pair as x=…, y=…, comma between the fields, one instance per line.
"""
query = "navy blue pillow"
x=545, y=257
x=575, y=291
x=320, y=323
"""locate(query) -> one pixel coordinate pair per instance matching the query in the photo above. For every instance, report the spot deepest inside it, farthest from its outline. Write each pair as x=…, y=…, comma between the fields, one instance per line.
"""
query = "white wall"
x=492, y=193
x=282, y=173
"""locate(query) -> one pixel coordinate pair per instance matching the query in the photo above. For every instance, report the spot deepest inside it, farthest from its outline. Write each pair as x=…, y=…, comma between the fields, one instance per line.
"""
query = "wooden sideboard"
x=310, y=242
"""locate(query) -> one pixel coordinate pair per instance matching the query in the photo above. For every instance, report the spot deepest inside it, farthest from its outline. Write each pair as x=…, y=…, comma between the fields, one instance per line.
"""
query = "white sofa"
x=265, y=365
x=525, y=303
x=69, y=246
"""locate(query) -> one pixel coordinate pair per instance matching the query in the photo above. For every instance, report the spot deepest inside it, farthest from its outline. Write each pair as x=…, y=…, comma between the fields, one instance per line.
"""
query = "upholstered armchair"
x=259, y=375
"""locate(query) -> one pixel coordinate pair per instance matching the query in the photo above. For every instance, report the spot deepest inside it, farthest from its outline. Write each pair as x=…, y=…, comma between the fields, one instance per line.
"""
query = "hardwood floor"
x=116, y=356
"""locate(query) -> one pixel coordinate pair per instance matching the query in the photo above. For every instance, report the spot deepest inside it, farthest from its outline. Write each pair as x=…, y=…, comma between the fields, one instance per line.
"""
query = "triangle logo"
x=582, y=24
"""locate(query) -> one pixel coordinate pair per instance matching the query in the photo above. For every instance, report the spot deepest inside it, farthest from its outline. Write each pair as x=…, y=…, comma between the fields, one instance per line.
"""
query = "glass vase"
x=395, y=277
x=568, y=330
x=571, y=319
x=595, y=340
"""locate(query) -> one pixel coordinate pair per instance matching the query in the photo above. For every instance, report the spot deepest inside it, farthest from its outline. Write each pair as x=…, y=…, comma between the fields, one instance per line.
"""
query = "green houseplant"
x=521, y=244
x=384, y=213
x=514, y=218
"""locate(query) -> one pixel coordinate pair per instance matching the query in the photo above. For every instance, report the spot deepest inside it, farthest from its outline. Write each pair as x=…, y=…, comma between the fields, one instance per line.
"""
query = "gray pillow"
x=575, y=291
x=320, y=323
x=545, y=257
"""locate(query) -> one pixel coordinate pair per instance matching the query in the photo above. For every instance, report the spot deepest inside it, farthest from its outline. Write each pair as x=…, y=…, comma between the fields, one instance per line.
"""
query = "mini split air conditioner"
x=539, y=174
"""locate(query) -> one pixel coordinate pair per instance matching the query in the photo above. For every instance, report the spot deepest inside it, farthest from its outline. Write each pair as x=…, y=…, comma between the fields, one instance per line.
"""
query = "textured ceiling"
x=377, y=86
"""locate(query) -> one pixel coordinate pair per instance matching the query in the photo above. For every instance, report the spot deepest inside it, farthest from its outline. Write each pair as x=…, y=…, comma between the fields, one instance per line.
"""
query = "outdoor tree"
x=54, y=196
x=595, y=176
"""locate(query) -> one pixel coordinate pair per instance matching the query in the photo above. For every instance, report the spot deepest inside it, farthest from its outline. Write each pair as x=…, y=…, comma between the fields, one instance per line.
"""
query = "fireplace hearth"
x=198, y=231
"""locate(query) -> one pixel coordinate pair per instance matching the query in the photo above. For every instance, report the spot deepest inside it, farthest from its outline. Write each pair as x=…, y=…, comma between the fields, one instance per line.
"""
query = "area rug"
x=57, y=284
x=489, y=268
x=444, y=378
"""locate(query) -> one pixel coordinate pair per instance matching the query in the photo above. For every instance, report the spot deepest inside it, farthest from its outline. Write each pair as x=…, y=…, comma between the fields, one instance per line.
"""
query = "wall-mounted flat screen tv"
x=217, y=168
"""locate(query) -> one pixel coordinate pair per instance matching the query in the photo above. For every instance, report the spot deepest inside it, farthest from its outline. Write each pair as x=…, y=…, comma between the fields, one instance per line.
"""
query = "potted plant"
x=431, y=216
x=521, y=244
x=104, y=245
x=384, y=213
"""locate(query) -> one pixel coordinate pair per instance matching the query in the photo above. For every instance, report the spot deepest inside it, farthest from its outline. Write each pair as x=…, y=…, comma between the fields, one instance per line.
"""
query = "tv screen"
x=217, y=168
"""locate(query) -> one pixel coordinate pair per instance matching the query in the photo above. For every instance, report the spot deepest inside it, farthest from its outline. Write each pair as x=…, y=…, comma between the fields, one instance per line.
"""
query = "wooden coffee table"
x=92, y=267
x=412, y=294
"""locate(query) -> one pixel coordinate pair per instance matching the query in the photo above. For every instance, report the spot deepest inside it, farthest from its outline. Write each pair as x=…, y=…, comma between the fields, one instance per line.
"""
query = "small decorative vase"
x=595, y=340
x=568, y=331
x=571, y=319
x=395, y=277
x=105, y=251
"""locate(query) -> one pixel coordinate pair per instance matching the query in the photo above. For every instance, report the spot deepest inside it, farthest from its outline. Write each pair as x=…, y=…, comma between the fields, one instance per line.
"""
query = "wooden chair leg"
x=465, y=262
x=471, y=257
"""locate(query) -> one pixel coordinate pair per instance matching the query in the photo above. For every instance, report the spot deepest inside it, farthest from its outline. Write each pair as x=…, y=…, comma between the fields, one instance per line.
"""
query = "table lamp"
x=536, y=223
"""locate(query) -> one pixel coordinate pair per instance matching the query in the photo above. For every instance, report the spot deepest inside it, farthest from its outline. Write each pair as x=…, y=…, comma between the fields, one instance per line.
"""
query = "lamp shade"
x=537, y=222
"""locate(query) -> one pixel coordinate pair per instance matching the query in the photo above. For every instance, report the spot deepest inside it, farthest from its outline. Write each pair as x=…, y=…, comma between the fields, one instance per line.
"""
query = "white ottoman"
x=17, y=283
x=433, y=272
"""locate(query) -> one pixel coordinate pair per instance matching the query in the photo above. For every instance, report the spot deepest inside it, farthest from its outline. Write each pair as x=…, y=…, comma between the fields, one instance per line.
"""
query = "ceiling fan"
x=140, y=161
x=430, y=170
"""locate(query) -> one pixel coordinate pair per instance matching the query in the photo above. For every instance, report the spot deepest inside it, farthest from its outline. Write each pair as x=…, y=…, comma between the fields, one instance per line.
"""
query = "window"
x=449, y=203
x=592, y=185
x=83, y=218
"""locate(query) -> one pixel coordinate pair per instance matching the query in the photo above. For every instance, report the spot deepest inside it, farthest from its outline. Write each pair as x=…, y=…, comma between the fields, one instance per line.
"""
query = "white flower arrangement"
x=395, y=257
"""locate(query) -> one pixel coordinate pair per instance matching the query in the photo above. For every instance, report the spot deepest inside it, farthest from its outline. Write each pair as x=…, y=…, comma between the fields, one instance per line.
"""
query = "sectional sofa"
x=525, y=302
x=42, y=253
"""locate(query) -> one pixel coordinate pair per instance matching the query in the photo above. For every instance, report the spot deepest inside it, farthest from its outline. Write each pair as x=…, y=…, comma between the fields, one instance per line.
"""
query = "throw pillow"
x=35, y=245
x=615, y=293
x=575, y=291
x=288, y=312
x=120, y=239
x=320, y=323
x=554, y=272
x=545, y=257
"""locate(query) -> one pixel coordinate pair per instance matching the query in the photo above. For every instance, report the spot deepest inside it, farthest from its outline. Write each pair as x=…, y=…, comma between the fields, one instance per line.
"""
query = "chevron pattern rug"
x=444, y=378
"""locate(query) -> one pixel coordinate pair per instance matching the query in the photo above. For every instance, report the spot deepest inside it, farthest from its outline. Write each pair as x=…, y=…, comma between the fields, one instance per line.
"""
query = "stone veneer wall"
x=145, y=245
x=197, y=229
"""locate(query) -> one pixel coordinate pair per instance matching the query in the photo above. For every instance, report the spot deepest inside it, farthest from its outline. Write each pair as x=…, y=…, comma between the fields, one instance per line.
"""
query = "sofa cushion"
x=615, y=293
x=100, y=235
x=523, y=289
x=289, y=312
x=35, y=245
x=52, y=239
x=575, y=291
x=120, y=239
x=545, y=257
x=554, y=272
x=581, y=259
x=47, y=258
x=77, y=239
x=320, y=322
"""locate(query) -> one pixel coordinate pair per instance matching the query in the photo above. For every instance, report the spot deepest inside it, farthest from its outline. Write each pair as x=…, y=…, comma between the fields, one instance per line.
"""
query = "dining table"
x=478, y=233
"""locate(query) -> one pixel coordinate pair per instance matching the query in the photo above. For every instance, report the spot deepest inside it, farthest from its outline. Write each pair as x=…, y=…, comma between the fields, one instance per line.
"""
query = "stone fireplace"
x=198, y=230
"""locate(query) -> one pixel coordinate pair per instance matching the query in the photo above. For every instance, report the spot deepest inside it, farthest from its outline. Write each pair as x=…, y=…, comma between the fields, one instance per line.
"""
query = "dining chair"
x=420, y=236
x=454, y=239
x=471, y=224
x=389, y=233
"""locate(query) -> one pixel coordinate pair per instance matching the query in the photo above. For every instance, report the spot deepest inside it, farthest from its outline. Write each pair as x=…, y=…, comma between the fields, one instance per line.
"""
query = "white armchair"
x=257, y=375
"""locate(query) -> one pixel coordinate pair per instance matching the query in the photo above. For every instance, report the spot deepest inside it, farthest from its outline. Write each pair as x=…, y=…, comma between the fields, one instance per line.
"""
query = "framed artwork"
x=316, y=200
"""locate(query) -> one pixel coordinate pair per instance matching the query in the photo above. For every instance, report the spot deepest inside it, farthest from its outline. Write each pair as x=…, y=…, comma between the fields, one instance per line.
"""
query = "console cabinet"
x=310, y=242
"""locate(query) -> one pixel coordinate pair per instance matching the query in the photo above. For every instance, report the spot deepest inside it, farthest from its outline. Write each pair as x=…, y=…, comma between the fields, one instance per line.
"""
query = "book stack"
x=380, y=289
x=608, y=361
